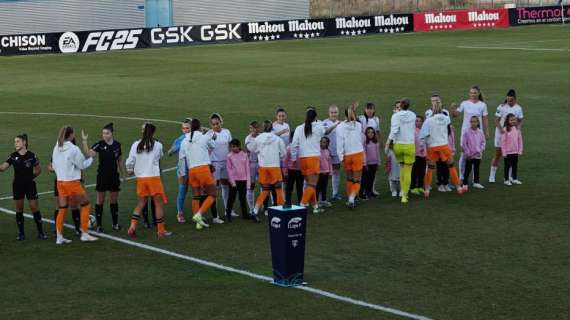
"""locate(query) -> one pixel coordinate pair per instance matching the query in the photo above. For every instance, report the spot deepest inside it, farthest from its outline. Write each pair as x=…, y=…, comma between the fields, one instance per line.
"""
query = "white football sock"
x=335, y=182
x=250, y=199
x=225, y=194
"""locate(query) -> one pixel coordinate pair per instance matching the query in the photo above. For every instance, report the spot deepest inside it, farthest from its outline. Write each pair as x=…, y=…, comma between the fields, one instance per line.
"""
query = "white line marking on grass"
x=246, y=273
x=86, y=115
x=90, y=185
x=515, y=48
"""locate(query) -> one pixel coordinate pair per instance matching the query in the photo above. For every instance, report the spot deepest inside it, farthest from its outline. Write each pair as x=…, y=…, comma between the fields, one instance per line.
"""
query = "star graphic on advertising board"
x=363, y=31
x=342, y=32
x=272, y=37
x=318, y=34
x=294, y=35
x=312, y=34
x=391, y=30
x=254, y=37
x=277, y=36
x=353, y=33
x=358, y=32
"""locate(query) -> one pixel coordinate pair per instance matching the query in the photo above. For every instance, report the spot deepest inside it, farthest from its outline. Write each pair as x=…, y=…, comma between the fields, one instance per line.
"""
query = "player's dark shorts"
x=109, y=183
x=26, y=190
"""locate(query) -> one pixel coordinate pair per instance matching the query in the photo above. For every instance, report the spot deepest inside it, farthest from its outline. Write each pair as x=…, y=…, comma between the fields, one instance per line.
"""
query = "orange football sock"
x=59, y=221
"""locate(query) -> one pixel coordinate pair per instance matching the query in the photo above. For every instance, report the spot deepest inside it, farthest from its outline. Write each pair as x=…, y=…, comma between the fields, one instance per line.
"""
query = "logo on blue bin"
x=275, y=222
x=295, y=223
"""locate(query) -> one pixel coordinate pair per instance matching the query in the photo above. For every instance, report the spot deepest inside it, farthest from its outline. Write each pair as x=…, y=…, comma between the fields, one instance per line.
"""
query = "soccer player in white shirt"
x=510, y=105
x=67, y=162
x=474, y=106
x=219, y=157
x=330, y=124
x=402, y=135
x=306, y=147
x=144, y=163
x=280, y=126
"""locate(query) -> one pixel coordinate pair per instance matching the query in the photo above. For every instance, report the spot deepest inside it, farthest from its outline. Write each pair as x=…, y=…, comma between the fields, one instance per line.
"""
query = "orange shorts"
x=150, y=187
x=354, y=162
x=439, y=153
x=201, y=176
x=310, y=165
x=70, y=188
x=270, y=175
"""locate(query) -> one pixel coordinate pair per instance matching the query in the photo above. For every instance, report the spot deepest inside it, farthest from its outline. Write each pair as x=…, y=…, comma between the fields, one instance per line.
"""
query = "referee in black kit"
x=26, y=169
x=108, y=178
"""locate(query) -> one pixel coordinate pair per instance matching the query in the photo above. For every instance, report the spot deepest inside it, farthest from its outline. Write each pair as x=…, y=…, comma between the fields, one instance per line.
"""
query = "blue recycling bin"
x=287, y=230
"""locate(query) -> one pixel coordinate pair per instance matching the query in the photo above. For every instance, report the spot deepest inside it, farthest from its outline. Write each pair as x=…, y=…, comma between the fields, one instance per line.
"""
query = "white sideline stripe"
x=514, y=48
x=86, y=115
x=89, y=185
x=246, y=273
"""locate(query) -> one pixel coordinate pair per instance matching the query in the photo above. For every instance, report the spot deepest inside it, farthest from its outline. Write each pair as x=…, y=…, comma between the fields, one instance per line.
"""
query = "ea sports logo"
x=68, y=42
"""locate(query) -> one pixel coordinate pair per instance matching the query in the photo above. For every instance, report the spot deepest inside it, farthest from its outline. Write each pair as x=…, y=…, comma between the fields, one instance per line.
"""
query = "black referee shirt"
x=109, y=154
x=23, y=166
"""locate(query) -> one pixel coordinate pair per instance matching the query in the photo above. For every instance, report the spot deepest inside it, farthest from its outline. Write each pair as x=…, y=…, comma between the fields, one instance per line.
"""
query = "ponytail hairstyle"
x=310, y=117
x=481, y=97
x=511, y=94
x=109, y=127
x=195, y=125
x=64, y=133
x=147, y=142
x=369, y=106
x=24, y=138
x=405, y=104
x=267, y=126
x=350, y=115
x=437, y=108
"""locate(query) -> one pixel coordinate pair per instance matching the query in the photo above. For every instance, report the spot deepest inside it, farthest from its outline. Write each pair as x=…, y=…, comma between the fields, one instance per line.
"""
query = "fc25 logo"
x=112, y=40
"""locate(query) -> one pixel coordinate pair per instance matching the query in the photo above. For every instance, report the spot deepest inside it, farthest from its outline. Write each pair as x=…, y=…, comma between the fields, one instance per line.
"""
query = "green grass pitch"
x=501, y=253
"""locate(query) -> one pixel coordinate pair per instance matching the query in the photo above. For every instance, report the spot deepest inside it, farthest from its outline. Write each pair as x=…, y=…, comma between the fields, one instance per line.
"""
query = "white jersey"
x=503, y=110
x=373, y=123
x=349, y=139
x=270, y=148
x=434, y=130
x=470, y=109
x=221, y=145
x=68, y=161
x=145, y=164
x=332, y=136
x=196, y=150
x=302, y=146
x=277, y=127
x=253, y=156
x=429, y=113
x=403, y=127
